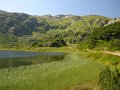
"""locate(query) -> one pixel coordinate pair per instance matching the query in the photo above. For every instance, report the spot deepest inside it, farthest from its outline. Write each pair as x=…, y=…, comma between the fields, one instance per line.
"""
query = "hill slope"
x=21, y=30
x=104, y=38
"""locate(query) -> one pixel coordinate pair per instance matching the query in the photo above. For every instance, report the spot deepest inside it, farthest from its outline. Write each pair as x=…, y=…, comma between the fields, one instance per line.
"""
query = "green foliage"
x=114, y=44
x=38, y=31
x=8, y=41
x=109, y=80
x=105, y=38
x=9, y=21
x=61, y=75
x=105, y=79
x=26, y=28
x=88, y=23
x=107, y=33
x=92, y=43
x=105, y=58
x=58, y=43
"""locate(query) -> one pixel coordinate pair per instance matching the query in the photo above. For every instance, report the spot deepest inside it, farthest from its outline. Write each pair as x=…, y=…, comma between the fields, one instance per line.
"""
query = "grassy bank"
x=71, y=73
x=71, y=48
x=108, y=59
x=78, y=70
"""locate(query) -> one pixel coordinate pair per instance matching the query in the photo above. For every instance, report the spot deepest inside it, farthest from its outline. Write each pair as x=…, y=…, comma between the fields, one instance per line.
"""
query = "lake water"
x=10, y=58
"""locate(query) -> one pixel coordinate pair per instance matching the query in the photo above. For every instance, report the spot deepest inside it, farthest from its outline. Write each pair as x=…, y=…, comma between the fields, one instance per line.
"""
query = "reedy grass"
x=72, y=48
x=73, y=71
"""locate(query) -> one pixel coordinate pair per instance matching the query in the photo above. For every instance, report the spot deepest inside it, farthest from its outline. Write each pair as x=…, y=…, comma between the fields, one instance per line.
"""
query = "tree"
x=58, y=43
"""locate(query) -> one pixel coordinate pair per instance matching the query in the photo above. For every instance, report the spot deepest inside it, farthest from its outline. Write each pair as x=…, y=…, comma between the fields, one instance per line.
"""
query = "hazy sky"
x=110, y=8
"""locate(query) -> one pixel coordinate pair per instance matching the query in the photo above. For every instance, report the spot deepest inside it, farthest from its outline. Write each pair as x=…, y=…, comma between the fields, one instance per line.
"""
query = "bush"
x=114, y=45
x=58, y=43
x=109, y=80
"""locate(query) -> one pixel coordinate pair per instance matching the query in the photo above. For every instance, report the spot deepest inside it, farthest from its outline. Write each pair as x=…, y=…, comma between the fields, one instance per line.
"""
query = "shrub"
x=109, y=80
x=58, y=43
x=114, y=44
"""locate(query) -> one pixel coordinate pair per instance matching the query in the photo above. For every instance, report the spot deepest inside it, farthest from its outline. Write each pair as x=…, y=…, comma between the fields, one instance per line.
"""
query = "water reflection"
x=19, y=58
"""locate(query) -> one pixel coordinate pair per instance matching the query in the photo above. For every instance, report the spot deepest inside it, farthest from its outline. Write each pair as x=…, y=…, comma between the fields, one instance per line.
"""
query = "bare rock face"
x=113, y=21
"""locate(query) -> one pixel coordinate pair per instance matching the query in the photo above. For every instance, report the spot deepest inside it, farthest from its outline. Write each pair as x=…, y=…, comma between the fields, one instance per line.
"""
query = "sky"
x=109, y=8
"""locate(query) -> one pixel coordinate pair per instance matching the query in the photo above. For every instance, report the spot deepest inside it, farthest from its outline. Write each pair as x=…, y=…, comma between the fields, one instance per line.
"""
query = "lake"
x=10, y=58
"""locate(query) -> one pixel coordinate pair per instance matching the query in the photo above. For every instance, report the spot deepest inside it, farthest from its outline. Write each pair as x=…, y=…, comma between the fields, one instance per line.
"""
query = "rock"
x=113, y=21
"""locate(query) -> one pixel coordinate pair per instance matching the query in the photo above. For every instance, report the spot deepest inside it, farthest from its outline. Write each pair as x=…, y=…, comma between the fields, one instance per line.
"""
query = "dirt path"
x=108, y=52
x=114, y=53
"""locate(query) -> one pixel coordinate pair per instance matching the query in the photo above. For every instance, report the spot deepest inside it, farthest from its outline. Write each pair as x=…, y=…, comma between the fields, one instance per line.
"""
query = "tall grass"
x=67, y=74
x=108, y=59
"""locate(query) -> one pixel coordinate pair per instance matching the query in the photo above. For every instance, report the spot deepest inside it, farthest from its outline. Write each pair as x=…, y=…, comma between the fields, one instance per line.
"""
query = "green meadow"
x=75, y=72
x=85, y=43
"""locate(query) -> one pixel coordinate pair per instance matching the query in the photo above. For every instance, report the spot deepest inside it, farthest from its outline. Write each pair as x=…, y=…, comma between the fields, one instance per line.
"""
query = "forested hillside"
x=104, y=38
x=22, y=30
